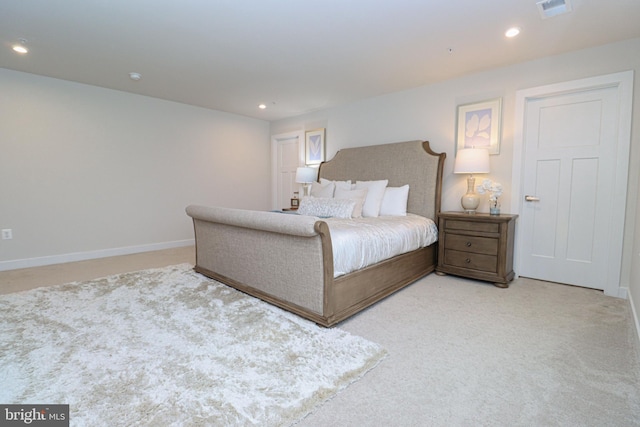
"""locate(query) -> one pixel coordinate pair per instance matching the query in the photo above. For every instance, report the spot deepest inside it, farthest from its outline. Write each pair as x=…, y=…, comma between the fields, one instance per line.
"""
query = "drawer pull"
x=467, y=260
x=468, y=244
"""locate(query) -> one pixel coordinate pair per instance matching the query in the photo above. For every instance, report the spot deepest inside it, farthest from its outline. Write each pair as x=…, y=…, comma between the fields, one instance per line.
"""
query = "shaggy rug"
x=170, y=347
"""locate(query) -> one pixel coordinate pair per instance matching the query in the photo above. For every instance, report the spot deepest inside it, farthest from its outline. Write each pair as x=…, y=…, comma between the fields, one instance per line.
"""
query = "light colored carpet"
x=465, y=353
x=170, y=347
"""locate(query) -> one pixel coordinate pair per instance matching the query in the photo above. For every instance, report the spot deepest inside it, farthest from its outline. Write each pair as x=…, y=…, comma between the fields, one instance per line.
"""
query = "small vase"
x=494, y=210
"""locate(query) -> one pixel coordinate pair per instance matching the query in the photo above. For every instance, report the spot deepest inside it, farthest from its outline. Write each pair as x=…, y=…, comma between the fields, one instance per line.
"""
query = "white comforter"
x=358, y=243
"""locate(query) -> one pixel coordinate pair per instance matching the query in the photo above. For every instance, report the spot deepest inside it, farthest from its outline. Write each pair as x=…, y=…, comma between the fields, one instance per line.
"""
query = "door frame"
x=275, y=140
x=624, y=82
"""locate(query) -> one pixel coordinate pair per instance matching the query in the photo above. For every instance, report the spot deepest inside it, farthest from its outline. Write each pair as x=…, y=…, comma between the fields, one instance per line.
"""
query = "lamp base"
x=470, y=201
x=306, y=189
x=468, y=210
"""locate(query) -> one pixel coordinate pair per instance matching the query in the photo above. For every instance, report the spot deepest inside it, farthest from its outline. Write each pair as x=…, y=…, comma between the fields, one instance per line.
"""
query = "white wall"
x=87, y=171
x=429, y=113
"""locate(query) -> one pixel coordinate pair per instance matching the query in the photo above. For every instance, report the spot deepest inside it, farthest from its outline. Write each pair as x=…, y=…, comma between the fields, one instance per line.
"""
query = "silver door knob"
x=531, y=199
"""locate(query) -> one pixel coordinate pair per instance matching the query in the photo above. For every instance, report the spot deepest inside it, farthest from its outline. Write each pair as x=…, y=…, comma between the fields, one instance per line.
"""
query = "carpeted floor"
x=465, y=353
x=170, y=347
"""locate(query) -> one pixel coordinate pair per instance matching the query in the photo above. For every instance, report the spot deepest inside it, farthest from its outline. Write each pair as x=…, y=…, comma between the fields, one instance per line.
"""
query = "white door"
x=575, y=154
x=286, y=152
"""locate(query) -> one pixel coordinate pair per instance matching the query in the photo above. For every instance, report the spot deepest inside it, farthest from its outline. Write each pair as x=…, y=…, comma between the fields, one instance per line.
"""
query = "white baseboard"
x=622, y=293
x=82, y=256
x=634, y=313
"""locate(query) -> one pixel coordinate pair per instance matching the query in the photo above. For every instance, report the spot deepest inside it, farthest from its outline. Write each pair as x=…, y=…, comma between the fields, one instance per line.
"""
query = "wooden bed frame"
x=287, y=260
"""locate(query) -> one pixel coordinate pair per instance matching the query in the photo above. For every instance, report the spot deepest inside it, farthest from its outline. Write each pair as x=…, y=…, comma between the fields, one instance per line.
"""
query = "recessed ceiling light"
x=20, y=47
x=135, y=76
x=512, y=32
x=262, y=106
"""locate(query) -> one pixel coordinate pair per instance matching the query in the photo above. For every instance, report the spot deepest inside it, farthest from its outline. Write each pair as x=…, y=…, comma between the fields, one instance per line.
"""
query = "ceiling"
x=296, y=56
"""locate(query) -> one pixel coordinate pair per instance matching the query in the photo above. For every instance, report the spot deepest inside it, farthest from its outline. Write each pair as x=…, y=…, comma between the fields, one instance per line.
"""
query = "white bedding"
x=360, y=242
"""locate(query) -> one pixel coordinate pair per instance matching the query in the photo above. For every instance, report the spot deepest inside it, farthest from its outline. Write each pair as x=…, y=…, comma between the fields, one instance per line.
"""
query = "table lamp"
x=471, y=160
x=305, y=176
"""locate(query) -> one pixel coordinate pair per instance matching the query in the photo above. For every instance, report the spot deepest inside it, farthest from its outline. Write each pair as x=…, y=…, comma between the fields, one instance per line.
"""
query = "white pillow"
x=394, y=201
x=345, y=185
x=358, y=195
x=326, y=208
x=375, y=193
x=320, y=190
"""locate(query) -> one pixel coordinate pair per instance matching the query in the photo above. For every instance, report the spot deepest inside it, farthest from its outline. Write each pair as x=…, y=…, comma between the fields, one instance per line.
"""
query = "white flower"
x=493, y=188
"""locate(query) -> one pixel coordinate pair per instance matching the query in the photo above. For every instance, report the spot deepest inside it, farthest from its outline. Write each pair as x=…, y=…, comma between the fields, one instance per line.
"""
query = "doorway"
x=571, y=154
x=286, y=154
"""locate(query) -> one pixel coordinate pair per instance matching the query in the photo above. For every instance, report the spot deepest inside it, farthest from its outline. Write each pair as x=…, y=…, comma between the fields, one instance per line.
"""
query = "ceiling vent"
x=550, y=8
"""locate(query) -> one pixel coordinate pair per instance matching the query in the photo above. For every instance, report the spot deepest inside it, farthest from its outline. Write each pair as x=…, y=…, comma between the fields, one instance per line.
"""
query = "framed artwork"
x=314, y=147
x=479, y=125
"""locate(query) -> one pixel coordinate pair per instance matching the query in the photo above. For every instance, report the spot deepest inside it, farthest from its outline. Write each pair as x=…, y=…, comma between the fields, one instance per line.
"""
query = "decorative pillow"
x=358, y=195
x=375, y=193
x=320, y=190
x=394, y=201
x=345, y=185
x=326, y=208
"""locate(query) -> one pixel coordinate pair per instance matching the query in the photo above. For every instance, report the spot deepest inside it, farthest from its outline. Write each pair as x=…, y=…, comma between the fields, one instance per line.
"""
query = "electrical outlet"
x=7, y=234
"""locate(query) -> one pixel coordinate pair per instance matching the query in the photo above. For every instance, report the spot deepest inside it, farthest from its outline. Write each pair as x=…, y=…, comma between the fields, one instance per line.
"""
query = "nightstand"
x=478, y=246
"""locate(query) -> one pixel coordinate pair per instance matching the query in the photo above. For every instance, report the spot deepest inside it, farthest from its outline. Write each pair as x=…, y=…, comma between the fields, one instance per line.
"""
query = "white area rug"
x=170, y=347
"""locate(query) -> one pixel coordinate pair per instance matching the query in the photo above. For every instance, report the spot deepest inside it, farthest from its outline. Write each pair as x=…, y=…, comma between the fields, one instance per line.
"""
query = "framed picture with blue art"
x=314, y=144
x=479, y=125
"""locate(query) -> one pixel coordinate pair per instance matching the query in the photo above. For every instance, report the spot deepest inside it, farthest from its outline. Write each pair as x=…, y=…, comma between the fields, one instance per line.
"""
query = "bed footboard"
x=279, y=258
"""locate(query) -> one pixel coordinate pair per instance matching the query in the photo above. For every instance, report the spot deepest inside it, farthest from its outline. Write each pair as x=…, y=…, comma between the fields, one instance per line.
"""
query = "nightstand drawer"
x=470, y=260
x=480, y=245
x=487, y=227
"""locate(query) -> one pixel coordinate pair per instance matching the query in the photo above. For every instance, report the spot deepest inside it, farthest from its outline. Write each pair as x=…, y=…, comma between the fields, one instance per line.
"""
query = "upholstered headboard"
x=401, y=163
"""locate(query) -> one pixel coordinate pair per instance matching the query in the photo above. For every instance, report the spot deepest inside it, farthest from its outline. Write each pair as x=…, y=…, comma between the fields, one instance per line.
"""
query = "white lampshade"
x=306, y=175
x=472, y=160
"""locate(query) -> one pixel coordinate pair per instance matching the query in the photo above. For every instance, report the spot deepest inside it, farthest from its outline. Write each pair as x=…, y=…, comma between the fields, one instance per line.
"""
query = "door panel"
x=287, y=164
x=570, y=167
x=582, y=210
x=287, y=153
x=543, y=215
x=560, y=129
x=571, y=162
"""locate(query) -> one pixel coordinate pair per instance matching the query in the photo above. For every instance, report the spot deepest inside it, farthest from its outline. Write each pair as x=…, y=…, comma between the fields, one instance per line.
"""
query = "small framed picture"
x=295, y=203
x=314, y=146
x=479, y=126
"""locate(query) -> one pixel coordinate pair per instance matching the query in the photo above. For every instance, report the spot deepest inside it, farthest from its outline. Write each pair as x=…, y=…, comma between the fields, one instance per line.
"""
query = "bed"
x=288, y=260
